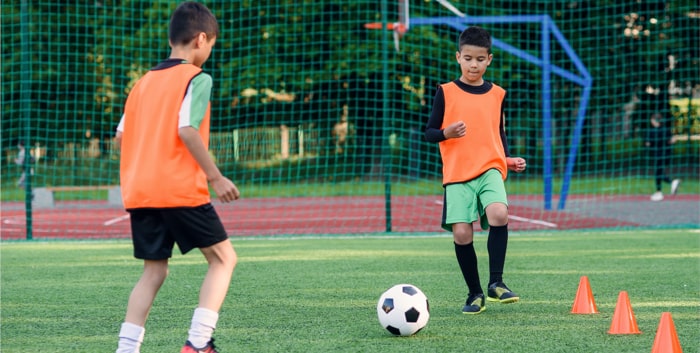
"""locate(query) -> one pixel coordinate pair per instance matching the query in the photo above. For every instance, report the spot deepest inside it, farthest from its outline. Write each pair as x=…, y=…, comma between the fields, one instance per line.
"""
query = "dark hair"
x=188, y=20
x=476, y=36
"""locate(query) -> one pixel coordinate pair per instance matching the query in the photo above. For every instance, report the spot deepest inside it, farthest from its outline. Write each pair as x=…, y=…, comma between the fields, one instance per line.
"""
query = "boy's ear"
x=200, y=39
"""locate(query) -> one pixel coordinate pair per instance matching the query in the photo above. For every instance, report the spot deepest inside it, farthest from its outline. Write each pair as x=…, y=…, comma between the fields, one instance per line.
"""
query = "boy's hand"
x=455, y=130
x=225, y=189
x=516, y=164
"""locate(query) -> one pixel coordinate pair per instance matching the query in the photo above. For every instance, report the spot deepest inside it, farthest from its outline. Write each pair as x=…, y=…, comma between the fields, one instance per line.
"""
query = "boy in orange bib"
x=468, y=123
x=165, y=174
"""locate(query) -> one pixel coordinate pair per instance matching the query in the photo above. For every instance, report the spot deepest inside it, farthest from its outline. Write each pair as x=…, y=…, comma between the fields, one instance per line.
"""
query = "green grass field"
x=318, y=294
x=517, y=184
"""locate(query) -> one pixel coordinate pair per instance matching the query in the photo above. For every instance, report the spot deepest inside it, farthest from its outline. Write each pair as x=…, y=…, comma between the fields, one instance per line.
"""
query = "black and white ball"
x=403, y=310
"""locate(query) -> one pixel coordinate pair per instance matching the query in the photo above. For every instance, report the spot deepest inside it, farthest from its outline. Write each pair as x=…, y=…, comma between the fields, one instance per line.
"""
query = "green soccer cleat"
x=475, y=304
x=499, y=292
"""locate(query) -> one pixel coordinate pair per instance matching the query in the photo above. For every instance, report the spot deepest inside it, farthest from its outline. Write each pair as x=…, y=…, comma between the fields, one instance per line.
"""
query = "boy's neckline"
x=483, y=88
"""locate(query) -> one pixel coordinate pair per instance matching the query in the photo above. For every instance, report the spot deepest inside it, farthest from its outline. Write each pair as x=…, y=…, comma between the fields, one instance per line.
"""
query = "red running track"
x=287, y=216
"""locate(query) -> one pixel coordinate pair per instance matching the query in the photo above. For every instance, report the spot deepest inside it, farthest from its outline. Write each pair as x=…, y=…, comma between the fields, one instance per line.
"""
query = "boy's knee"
x=232, y=259
x=497, y=214
x=222, y=253
x=462, y=236
x=498, y=221
x=156, y=271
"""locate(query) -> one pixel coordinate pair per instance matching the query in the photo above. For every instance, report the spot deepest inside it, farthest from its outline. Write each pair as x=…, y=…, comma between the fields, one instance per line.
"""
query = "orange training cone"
x=666, y=340
x=584, y=302
x=623, y=322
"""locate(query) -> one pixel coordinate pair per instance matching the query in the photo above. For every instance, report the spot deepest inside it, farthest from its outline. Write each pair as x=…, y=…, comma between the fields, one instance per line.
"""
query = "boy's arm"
x=118, y=138
x=504, y=138
x=433, y=130
x=192, y=112
x=225, y=190
x=516, y=164
x=120, y=132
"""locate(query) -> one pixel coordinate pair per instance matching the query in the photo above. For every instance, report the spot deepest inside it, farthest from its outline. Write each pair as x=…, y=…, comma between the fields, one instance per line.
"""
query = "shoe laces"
x=499, y=285
x=474, y=299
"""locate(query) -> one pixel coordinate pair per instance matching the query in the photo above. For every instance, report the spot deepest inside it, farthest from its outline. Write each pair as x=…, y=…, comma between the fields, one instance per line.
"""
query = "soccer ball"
x=403, y=310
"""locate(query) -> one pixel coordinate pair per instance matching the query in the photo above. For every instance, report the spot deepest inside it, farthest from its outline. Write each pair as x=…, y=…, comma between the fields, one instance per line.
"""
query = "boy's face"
x=473, y=61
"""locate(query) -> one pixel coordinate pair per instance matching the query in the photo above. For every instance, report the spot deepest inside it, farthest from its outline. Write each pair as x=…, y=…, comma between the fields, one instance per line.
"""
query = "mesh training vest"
x=157, y=170
x=481, y=149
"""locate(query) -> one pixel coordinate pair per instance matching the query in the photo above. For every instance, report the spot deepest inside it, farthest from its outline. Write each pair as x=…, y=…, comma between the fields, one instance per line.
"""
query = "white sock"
x=203, y=325
x=130, y=338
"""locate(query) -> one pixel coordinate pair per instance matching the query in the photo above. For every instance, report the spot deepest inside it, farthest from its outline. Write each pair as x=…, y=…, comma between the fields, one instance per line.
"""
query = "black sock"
x=496, y=245
x=466, y=257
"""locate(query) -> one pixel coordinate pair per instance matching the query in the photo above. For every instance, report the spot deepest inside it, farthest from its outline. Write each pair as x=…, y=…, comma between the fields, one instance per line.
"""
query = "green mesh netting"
x=319, y=119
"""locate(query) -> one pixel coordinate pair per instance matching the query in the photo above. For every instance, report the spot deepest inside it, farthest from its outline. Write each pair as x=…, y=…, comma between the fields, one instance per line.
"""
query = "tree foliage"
x=295, y=62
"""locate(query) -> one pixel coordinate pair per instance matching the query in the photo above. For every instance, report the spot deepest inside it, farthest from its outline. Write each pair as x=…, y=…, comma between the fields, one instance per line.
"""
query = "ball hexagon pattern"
x=403, y=310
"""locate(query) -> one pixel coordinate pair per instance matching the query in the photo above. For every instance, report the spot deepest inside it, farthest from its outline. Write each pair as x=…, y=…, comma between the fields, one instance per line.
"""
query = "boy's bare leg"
x=145, y=290
x=222, y=261
x=140, y=303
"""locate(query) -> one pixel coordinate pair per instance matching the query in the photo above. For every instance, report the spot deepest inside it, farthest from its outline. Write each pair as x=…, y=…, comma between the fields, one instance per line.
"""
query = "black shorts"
x=156, y=230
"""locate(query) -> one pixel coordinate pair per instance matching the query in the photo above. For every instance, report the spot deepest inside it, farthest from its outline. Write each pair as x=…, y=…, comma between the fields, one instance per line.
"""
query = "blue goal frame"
x=582, y=78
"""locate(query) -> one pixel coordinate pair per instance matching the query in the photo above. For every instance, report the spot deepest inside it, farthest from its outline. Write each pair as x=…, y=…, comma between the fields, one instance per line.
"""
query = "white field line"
x=116, y=220
x=533, y=221
x=268, y=219
x=13, y=221
x=523, y=219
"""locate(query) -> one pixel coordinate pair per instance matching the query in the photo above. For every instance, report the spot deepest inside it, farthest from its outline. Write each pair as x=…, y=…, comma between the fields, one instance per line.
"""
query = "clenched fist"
x=516, y=164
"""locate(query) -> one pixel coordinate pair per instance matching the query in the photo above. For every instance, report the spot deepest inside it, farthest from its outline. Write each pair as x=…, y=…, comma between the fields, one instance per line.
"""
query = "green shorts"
x=466, y=202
